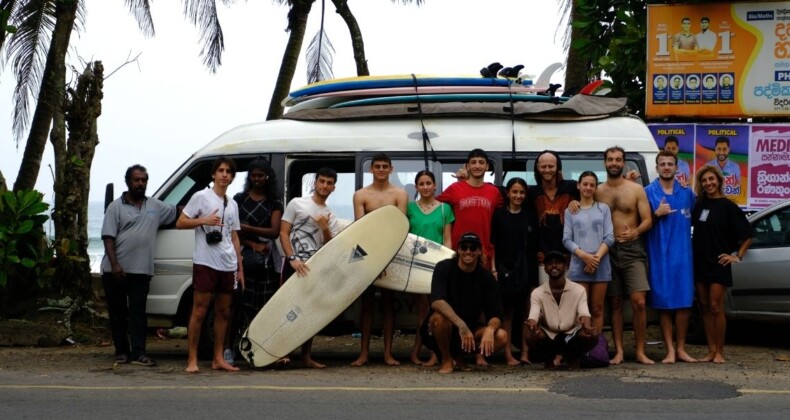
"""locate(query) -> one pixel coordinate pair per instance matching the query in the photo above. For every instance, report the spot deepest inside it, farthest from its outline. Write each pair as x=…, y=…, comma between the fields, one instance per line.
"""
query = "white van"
x=296, y=149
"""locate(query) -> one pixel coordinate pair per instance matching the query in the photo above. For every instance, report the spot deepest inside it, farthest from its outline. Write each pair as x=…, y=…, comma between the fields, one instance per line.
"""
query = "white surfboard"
x=339, y=272
x=411, y=270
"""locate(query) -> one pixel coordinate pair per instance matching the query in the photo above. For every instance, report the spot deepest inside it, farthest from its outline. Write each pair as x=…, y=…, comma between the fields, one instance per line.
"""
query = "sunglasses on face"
x=468, y=247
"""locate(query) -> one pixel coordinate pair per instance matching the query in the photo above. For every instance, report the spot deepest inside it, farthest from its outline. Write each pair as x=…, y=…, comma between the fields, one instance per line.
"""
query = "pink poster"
x=769, y=164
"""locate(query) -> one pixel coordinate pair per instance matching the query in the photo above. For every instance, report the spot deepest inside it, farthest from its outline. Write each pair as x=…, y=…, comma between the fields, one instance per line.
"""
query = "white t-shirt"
x=220, y=256
x=306, y=237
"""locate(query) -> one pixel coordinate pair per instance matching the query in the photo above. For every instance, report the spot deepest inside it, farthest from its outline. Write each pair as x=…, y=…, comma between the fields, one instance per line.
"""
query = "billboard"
x=754, y=159
x=721, y=60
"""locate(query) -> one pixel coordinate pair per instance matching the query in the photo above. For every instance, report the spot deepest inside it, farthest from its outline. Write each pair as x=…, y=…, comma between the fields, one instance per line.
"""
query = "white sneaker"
x=229, y=355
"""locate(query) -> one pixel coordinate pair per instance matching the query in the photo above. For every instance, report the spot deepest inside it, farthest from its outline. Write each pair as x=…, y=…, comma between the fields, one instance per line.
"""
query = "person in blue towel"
x=671, y=273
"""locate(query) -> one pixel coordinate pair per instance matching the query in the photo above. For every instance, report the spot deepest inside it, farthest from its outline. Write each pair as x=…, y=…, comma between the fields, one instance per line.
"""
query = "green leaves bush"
x=24, y=249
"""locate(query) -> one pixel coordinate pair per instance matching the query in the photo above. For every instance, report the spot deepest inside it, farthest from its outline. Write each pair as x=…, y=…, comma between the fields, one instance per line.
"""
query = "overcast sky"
x=158, y=111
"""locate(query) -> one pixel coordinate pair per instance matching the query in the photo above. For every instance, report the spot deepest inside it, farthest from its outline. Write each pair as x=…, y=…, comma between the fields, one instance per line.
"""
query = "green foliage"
x=613, y=41
x=24, y=250
x=4, y=26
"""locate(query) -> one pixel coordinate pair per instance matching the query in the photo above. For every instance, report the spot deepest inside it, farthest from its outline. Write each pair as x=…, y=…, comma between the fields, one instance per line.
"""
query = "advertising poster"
x=720, y=60
x=727, y=147
x=769, y=164
x=678, y=139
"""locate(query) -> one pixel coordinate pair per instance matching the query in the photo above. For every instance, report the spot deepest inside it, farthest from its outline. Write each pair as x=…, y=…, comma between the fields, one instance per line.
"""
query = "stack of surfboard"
x=431, y=95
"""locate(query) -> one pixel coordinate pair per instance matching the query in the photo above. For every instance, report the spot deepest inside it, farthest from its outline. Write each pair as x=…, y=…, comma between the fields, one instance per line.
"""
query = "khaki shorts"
x=629, y=269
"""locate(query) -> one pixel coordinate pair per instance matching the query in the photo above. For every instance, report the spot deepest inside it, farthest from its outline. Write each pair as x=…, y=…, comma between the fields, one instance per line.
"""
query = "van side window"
x=301, y=178
x=772, y=231
x=449, y=169
x=573, y=167
x=402, y=176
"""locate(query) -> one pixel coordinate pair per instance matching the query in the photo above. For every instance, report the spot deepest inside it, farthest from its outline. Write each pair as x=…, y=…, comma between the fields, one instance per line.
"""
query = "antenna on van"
x=426, y=140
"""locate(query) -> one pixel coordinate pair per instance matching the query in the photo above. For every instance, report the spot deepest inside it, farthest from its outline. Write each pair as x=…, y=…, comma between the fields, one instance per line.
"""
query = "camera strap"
x=222, y=221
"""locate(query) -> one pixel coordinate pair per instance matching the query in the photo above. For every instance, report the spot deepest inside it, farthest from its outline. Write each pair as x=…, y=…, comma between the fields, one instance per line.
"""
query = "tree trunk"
x=576, y=67
x=357, y=42
x=73, y=159
x=297, y=22
x=50, y=97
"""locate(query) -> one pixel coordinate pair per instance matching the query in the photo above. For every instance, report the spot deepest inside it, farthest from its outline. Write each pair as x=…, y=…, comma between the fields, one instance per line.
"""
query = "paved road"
x=81, y=382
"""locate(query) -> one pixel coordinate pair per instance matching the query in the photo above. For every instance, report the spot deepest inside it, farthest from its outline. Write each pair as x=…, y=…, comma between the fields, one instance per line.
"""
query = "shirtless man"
x=631, y=218
x=378, y=194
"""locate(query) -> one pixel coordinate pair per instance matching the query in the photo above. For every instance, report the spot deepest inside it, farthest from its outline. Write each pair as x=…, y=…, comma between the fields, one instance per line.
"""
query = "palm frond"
x=320, y=56
x=203, y=14
x=418, y=2
x=564, y=24
x=141, y=9
x=27, y=49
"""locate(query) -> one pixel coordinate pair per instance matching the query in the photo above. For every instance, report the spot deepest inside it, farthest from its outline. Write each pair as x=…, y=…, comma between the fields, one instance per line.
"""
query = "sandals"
x=144, y=361
x=122, y=359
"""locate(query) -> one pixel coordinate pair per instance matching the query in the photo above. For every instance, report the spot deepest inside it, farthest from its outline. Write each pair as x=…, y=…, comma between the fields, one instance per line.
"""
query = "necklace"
x=428, y=206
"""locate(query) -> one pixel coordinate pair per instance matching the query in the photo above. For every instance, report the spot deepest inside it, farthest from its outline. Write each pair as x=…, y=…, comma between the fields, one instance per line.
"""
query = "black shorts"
x=429, y=341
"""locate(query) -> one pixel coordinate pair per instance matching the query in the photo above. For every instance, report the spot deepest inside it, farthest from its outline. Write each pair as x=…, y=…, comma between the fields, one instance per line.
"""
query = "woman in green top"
x=432, y=220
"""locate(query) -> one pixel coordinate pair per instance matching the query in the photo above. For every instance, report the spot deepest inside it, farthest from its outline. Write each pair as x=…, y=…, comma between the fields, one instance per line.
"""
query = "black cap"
x=470, y=238
x=554, y=255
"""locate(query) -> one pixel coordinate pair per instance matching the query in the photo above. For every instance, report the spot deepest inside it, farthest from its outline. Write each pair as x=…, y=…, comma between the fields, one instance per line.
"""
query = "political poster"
x=721, y=60
x=769, y=164
x=727, y=148
x=678, y=139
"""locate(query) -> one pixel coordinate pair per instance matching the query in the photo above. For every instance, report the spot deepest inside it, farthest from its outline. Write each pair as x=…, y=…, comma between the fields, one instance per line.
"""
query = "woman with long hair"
x=722, y=234
x=587, y=235
x=431, y=219
x=260, y=211
x=510, y=227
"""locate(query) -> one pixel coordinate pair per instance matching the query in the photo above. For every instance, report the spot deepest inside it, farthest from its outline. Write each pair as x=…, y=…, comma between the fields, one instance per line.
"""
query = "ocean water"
x=95, y=244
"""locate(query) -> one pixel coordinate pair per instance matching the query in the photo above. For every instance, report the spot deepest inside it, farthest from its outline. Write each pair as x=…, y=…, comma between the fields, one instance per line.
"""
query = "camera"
x=213, y=237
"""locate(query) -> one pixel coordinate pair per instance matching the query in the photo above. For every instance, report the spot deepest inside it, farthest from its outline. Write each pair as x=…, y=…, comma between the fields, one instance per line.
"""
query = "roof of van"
x=446, y=134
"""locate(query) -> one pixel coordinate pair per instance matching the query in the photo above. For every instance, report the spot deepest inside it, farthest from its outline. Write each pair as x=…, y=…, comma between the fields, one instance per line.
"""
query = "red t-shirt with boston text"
x=473, y=208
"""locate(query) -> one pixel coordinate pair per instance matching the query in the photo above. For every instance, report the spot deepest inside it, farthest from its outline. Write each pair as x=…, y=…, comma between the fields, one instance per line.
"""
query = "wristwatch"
x=292, y=258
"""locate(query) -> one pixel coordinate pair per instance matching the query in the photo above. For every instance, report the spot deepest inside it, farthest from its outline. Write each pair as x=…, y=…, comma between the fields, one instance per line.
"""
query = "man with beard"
x=722, y=161
x=683, y=175
x=631, y=218
x=129, y=235
x=550, y=196
x=670, y=255
x=461, y=291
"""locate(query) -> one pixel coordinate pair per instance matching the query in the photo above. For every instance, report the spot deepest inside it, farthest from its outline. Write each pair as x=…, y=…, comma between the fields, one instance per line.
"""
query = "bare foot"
x=221, y=364
x=718, y=359
x=480, y=360
x=685, y=357
x=641, y=358
x=512, y=361
x=669, y=359
x=447, y=367
x=617, y=359
x=708, y=357
x=431, y=362
x=415, y=359
x=362, y=360
x=192, y=368
x=313, y=364
x=390, y=361
x=524, y=360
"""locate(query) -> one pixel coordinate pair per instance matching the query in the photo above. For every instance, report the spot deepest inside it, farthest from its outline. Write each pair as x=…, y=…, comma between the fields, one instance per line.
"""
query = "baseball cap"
x=554, y=255
x=469, y=238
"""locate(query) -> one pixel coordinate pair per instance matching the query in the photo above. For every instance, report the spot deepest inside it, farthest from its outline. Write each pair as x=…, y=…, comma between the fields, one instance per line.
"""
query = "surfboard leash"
x=426, y=141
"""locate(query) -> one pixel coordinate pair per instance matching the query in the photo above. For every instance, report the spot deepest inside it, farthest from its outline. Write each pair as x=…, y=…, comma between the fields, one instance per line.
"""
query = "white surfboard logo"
x=357, y=254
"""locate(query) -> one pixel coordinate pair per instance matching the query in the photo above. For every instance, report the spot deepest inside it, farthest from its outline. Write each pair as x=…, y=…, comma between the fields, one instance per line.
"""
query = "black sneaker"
x=144, y=361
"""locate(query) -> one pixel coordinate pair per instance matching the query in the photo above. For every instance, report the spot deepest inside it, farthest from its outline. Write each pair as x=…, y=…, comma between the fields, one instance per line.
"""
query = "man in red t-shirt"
x=473, y=201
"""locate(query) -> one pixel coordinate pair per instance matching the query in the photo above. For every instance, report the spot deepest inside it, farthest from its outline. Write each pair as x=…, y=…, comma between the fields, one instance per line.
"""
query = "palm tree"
x=38, y=53
x=204, y=14
x=576, y=65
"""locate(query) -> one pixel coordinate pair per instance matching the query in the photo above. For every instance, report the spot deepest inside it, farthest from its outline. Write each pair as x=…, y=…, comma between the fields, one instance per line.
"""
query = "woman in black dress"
x=722, y=234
